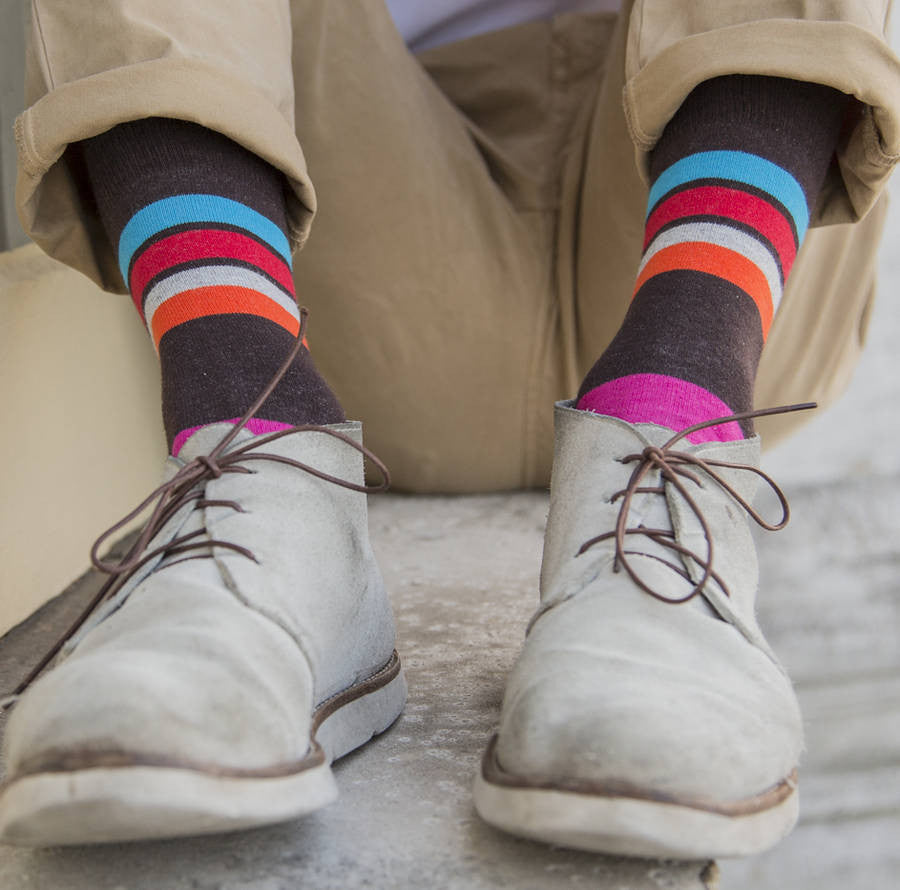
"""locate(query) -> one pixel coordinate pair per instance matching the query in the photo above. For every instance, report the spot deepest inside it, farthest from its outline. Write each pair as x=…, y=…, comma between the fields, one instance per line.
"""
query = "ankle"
x=663, y=400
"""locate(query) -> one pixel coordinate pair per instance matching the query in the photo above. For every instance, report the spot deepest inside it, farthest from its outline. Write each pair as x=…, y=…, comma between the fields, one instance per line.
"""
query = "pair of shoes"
x=246, y=642
x=250, y=643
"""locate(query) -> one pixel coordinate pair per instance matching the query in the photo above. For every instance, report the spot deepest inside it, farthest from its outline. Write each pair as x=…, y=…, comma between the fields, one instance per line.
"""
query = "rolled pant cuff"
x=842, y=55
x=53, y=209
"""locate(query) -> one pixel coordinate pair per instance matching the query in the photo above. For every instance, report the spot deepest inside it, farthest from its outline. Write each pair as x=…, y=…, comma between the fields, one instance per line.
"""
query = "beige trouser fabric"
x=480, y=206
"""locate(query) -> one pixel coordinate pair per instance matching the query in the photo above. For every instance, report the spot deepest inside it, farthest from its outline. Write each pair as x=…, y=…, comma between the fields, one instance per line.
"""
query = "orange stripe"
x=219, y=300
x=700, y=256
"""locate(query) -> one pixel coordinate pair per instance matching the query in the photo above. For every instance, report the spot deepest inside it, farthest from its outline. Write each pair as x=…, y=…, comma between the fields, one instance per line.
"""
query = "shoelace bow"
x=673, y=469
x=181, y=490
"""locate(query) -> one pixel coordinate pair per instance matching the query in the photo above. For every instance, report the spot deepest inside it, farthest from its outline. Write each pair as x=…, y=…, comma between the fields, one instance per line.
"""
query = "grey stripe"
x=722, y=236
x=210, y=276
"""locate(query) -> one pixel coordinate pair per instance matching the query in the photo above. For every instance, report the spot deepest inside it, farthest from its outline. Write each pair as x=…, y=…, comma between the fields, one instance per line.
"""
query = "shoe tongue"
x=653, y=511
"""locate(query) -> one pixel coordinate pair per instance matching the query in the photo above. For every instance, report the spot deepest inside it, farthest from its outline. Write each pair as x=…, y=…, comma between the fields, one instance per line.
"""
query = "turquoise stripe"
x=210, y=209
x=737, y=166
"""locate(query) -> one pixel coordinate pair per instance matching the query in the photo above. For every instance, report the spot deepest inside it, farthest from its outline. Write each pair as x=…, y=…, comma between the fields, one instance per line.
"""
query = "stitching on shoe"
x=334, y=703
x=574, y=588
x=75, y=761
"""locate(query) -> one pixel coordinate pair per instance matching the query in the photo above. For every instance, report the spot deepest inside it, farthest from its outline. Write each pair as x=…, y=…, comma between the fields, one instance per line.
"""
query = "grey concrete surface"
x=462, y=573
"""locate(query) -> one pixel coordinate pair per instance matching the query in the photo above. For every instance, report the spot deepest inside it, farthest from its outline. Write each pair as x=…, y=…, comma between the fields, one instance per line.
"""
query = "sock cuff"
x=141, y=162
x=793, y=124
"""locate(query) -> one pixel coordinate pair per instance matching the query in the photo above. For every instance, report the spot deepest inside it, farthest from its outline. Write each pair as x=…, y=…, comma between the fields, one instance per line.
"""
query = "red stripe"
x=712, y=200
x=202, y=244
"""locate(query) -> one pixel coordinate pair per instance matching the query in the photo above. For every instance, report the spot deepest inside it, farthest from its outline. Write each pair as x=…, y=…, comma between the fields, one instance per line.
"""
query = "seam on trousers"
x=641, y=139
x=562, y=118
x=872, y=142
x=21, y=147
x=45, y=55
x=33, y=165
x=542, y=323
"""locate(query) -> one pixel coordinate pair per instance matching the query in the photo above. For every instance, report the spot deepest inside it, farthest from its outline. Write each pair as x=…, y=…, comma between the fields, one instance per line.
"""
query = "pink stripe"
x=667, y=401
x=255, y=425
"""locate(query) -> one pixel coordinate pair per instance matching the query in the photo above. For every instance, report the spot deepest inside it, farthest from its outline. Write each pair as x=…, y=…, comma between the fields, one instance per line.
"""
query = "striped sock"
x=200, y=228
x=733, y=181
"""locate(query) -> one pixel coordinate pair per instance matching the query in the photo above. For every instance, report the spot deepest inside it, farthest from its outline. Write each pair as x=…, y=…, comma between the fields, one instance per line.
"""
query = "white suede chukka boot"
x=646, y=714
x=212, y=691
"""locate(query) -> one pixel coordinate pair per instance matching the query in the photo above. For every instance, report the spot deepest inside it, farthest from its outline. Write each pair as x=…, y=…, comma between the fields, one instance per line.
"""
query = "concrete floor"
x=829, y=602
x=405, y=817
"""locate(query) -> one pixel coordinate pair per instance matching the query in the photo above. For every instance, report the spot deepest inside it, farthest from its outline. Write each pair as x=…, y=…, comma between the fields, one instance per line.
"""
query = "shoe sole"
x=630, y=824
x=109, y=801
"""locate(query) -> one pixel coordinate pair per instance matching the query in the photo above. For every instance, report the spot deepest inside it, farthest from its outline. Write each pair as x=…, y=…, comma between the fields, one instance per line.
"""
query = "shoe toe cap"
x=218, y=688
x=685, y=708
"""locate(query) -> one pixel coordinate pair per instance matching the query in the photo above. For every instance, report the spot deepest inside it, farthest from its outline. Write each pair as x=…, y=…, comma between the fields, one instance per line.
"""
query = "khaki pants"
x=480, y=206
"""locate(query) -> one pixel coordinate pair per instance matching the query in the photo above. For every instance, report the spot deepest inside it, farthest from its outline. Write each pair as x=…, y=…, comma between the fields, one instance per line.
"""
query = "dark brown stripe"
x=692, y=326
x=233, y=357
x=139, y=162
x=791, y=123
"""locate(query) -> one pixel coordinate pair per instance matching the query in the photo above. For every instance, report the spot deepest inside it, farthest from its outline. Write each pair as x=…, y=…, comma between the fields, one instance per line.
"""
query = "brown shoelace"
x=182, y=490
x=673, y=469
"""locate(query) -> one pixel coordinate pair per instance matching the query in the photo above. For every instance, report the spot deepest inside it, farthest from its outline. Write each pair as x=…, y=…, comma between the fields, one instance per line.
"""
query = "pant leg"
x=657, y=58
x=453, y=292
x=428, y=285
x=90, y=66
x=819, y=331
